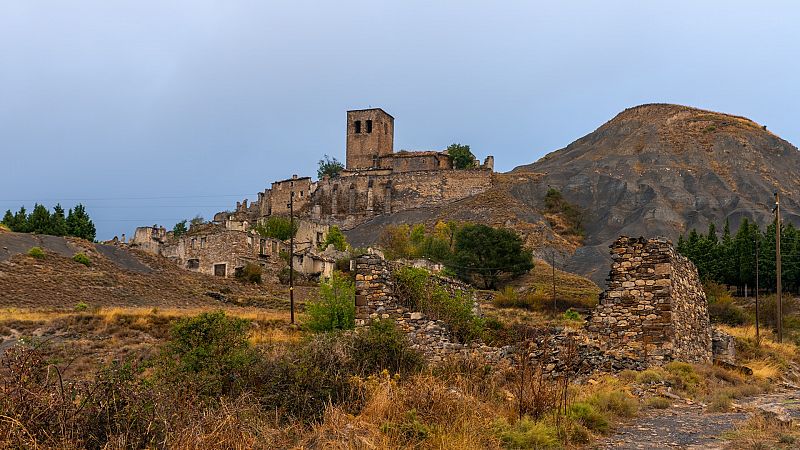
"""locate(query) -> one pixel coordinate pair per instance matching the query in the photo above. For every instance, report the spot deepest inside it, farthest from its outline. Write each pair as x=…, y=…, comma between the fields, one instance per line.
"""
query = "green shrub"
x=283, y=276
x=81, y=258
x=81, y=306
x=618, y=403
x=527, y=433
x=658, y=403
x=588, y=416
x=683, y=376
x=336, y=238
x=410, y=429
x=382, y=346
x=335, y=309
x=36, y=252
x=649, y=376
x=209, y=352
x=277, y=227
x=250, y=273
x=720, y=402
x=571, y=314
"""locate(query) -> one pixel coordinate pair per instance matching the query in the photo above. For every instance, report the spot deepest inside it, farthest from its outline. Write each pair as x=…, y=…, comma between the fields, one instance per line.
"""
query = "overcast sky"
x=153, y=111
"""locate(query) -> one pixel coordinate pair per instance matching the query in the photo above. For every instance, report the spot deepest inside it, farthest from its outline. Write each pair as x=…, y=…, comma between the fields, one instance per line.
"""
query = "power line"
x=160, y=197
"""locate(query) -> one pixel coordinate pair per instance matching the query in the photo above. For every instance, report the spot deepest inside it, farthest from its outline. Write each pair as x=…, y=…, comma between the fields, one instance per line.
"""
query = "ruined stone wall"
x=281, y=191
x=654, y=308
x=201, y=252
x=350, y=200
x=365, y=145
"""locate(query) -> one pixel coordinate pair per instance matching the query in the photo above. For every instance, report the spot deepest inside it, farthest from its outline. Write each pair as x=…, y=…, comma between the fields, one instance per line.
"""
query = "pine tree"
x=21, y=220
x=79, y=224
x=58, y=223
x=39, y=220
x=8, y=220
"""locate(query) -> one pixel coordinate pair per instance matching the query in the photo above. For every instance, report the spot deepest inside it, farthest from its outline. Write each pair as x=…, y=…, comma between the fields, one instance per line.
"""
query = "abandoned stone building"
x=376, y=180
x=655, y=308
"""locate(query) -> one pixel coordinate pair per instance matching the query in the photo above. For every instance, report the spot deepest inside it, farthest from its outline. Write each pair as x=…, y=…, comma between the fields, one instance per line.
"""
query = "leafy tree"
x=79, y=224
x=8, y=220
x=461, y=156
x=330, y=167
x=180, y=229
x=335, y=308
x=58, y=221
x=335, y=237
x=277, y=227
x=485, y=254
x=39, y=220
x=396, y=242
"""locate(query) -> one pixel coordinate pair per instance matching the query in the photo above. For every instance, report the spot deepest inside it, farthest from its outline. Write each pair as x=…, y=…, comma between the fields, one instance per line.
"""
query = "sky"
x=149, y=112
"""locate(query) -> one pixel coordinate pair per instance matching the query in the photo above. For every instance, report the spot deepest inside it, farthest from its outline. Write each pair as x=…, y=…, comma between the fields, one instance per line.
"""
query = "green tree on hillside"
x=485, y=254
x=461, y=156
x=39, y=220
x=79, y=224
x=58, y=221
x=8, y=220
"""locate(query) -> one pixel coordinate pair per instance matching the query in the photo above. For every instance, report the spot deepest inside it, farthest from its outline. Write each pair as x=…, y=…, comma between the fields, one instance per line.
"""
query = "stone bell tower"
x=370, y=135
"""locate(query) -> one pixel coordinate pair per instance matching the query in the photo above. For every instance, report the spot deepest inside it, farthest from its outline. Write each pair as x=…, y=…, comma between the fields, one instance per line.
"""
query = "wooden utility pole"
x=291, y=257
x=758, y=244
x=779, y=288
x=553, y=261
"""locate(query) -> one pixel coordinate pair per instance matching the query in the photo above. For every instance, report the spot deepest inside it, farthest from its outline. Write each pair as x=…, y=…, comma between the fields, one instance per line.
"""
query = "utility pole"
x=758, y=244
x=291, y=257
x=779, y=301
x=553, y=261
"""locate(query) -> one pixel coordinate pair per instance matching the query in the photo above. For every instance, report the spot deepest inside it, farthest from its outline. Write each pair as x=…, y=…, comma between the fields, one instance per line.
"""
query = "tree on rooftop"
x=461, y=156
x=180, y=228
x=277, y=227
x=330, y=167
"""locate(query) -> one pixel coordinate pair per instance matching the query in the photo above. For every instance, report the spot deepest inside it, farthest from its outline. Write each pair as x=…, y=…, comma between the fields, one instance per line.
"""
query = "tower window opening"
x=357, y=125
x=374, y=160
x=369, y=126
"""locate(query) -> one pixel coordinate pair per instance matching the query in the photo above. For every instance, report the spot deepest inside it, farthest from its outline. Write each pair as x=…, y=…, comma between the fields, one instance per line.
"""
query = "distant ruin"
x=655, y=308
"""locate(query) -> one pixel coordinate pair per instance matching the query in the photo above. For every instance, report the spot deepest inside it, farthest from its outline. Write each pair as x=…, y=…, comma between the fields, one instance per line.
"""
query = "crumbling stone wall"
x=350, y=200
x=654, y=308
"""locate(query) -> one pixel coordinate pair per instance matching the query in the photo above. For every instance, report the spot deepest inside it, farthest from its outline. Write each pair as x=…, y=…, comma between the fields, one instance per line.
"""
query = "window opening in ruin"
x=194, y=241
x=274, y=247
x=301, y=193
x=193, y=264
x=369, y=126
x=319, y=237
x=262, y=247
x=385, y=128
x=220, y=270
x=238, y=272
x=374, y=160
x=202, y=242
x=358, y=126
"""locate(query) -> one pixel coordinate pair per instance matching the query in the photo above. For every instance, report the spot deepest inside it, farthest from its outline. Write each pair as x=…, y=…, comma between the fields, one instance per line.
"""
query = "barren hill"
x=663, y=169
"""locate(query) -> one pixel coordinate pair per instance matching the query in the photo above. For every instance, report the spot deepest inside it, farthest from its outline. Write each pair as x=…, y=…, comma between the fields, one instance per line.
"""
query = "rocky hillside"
x=664, y=169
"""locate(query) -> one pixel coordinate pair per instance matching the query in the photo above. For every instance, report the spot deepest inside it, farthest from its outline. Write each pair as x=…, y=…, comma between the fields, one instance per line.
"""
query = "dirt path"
x=690, y=426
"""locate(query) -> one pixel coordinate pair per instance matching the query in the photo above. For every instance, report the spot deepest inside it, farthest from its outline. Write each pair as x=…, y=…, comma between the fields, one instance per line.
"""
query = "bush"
x=588, y=416
x=461, y=156
x=683, y=376
x=81, y=258
x=571, y=314
x=527, y=433
x=721, y=306
x=250, y=273
x=209, y=352
x=81, y=306
x=381, y=346
x=410, y=430
x=283, y=276
x=649, y=376
x=336, y=238
x=36, y=252
x=335, y=309
x=615, y=402
x=485, y=254
x=658, y=403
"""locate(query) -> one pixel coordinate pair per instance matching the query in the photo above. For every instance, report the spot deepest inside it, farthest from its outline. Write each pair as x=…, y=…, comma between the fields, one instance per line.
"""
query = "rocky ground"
x=690, y=425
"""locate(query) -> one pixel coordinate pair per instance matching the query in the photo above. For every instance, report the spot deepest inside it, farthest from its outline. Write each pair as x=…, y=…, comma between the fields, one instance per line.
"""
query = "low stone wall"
x=375, y=300
x=654, y=309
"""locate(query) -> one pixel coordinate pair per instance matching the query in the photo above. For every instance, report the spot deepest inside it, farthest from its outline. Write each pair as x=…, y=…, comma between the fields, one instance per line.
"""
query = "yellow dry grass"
x=35, y=315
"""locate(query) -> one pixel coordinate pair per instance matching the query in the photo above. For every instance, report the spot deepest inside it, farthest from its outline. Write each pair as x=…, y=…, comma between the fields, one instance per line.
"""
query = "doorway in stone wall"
x=220, y=270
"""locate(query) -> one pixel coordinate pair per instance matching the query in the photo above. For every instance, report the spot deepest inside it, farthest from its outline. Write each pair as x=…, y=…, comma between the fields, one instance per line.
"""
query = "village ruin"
x=376, y=180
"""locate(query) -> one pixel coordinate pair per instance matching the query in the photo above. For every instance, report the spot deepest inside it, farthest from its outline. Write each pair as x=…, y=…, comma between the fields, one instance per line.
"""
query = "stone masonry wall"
x=654, y=309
